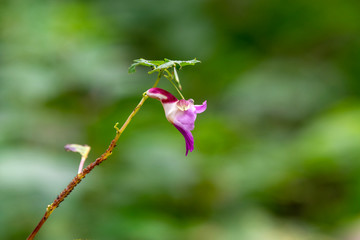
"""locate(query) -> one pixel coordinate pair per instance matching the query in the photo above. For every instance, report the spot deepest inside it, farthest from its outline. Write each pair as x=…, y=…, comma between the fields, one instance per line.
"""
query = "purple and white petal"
x=184, y=122
x=189, y=139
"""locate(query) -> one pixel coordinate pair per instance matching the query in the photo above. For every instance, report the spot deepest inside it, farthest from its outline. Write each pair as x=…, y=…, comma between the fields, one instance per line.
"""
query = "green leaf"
x=144, y=62
x=186, y=63
x=160, y=65
x=163, y=66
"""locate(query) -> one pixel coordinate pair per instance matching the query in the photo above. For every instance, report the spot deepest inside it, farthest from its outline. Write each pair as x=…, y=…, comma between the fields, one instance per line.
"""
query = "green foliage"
x=161, y=65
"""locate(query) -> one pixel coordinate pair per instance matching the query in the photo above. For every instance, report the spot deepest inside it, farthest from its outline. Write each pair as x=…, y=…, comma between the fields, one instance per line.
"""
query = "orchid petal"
x=189, y=139
x=201, y=108
x=161, y=95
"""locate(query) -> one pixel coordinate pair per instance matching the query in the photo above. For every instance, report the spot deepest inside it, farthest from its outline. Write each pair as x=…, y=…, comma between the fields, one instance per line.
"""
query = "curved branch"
x=77, y=179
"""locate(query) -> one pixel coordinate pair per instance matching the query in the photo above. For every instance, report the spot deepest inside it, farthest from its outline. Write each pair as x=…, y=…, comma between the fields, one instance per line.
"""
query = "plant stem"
x=177, y=89
x=77, y=179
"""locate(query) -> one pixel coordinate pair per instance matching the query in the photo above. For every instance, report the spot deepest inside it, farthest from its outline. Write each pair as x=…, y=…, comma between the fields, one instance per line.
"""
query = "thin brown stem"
x=77, y=179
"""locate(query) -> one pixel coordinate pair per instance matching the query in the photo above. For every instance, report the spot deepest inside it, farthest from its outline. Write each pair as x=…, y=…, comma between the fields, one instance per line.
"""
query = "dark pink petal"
x=200, y=108
x=161, y=95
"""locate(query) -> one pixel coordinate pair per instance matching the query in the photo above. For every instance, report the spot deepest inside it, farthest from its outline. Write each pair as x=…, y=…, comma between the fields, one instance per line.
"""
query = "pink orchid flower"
x=181, y=113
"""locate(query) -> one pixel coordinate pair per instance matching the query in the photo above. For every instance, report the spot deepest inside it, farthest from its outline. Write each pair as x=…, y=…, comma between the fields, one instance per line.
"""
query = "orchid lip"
x=183, y=105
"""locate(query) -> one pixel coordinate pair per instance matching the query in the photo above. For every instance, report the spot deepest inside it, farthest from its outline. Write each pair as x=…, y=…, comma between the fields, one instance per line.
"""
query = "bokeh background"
x=277, y=152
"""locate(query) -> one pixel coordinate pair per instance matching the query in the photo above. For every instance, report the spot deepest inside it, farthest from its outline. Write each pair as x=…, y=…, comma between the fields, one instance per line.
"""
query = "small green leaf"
x=186, y=63
x=161, y=65
x=144, y=62
x=132, y=68
x=164, y=66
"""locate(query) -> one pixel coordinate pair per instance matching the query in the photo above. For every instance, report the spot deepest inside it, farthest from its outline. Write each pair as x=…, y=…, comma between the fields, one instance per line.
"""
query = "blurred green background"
x=277, y=152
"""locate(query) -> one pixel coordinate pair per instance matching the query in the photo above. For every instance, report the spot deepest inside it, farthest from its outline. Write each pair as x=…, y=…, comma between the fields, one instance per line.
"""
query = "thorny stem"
x=77, y=179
